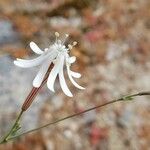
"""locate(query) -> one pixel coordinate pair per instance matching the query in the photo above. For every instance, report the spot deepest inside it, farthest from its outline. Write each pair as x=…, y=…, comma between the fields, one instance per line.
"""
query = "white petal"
x=34, y=62
x=63, y=82
x=25, y=64
x=53, y=74
x=29, y=63
x=35, y=48
x=72, y=59
x=72, y=80
x=41, y=74
x=75, y=74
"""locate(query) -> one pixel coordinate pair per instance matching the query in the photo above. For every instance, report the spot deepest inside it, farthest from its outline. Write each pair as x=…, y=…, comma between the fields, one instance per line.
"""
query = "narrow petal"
x=72, y=80
x=53, y=74
x=35, y=48
x=63, y=82
x=41, y=74
x=75, y=74
x=34, y=62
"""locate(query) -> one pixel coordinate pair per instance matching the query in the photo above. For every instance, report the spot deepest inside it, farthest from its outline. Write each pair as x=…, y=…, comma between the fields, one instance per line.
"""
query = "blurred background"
x=113, y=56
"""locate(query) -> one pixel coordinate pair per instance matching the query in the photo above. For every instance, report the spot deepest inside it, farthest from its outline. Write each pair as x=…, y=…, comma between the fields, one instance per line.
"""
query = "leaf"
x=15, y=130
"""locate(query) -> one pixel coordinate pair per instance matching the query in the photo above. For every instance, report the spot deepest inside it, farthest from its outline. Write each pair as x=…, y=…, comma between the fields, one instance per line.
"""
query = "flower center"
x=60, y=47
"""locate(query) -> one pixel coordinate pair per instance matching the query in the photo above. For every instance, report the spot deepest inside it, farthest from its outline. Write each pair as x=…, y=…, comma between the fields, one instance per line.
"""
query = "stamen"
x=66, y=36
x=75, y=43
x=70, y=46
x=57, y=35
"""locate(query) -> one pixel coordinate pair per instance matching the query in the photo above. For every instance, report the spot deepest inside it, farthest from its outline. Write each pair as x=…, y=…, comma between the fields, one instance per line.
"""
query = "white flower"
x=57, y=54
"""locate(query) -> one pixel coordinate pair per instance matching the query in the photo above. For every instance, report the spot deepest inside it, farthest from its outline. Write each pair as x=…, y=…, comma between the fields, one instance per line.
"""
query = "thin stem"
x=5, y=139
x=124, y=98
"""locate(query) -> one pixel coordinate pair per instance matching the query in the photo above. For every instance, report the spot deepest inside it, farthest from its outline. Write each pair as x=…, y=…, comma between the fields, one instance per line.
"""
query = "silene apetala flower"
x=58, y=54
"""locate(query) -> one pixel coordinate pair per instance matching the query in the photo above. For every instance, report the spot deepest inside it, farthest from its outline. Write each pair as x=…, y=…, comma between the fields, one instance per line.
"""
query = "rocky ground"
x=113, y=56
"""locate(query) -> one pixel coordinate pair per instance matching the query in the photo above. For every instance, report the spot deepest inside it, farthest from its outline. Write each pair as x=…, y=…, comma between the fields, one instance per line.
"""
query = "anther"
x=74, y=43
x=70, y=46
x=56, y=34
x=66, y=35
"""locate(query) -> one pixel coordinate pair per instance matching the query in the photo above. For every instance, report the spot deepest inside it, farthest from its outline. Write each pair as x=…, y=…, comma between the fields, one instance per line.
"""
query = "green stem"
x=6, y=138
x=124, y=98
